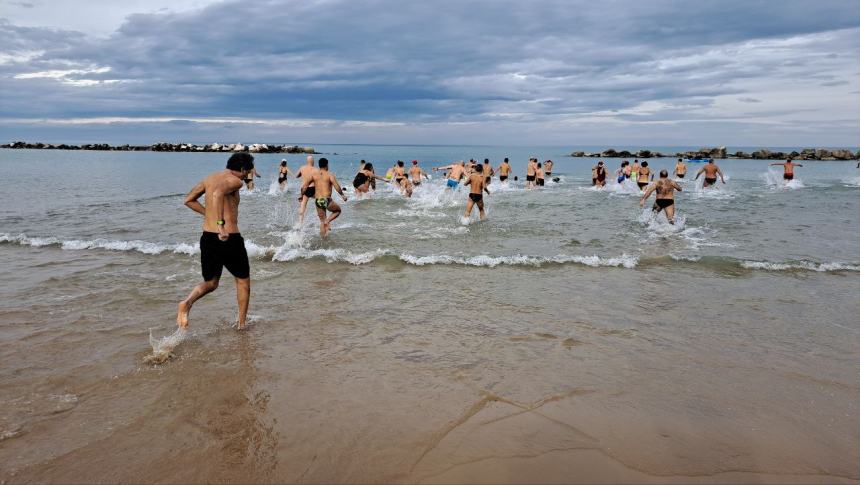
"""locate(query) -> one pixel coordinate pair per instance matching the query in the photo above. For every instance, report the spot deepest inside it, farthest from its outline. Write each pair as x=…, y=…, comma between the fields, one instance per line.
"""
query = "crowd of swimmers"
x=222, y=245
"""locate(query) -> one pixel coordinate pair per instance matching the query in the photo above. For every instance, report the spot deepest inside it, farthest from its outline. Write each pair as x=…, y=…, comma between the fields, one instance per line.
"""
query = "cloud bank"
x=544, y=72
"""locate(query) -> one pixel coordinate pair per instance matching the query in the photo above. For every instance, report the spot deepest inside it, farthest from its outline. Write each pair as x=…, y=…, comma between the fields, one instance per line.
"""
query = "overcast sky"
x=625, y=73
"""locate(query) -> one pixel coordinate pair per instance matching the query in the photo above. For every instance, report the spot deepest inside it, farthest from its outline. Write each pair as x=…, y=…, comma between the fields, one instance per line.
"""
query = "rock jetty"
x=166, y=147
x=722, y=152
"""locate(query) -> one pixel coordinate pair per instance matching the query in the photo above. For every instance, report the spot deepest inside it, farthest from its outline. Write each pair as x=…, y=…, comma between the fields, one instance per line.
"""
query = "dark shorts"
x=681, y=175
x=788, y=176
x=710, y=181
x=476, y=197
x=248, y=181
x=530, y=178
x=282, y=180
x=487, y=180
x=663, y=203
x=642, y=184
x=594, y=181
x=310, y=192
x=416, y=184
x=540, y=182
x=548, y=174
x=502, y=178
x=216, y=254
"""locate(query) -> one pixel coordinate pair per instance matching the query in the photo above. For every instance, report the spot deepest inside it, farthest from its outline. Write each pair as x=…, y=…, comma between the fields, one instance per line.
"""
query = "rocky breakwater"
x=722, y=152
x=166, y=147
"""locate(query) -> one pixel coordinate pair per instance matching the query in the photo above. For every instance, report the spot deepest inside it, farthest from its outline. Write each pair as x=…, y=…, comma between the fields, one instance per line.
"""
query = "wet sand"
x=391, y=380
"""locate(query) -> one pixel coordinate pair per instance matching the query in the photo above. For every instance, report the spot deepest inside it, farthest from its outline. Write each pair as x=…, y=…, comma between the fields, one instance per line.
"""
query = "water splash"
x=774, y=179
x=162, y=349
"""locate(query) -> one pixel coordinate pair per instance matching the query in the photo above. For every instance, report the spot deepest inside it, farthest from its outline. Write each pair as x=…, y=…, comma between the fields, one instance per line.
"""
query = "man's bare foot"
x=182, y=314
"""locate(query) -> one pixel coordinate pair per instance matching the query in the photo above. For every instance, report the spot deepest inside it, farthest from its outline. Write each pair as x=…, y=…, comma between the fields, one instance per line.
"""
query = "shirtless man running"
x=680, y=169
x=455, y=173
x=711, y=170
x=417, y=173
x=788, y=167
x=531, y=171
x=665, y=189
x=221, y=244
x=324, y=180
x=306, y=173
x=477, y=186
x=504, y=170
x=487, y=171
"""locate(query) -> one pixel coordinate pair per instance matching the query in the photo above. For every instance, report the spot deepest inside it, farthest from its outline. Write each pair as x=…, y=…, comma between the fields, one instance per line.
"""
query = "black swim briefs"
x=540, y=182
x=310, y=192
x=642, y=184
x=530, y=178
x=680, y=175
x=502, y=178
x=216, y=254
x=476, y=197
x=663, y=203
x=710, y=181
x=788, y=176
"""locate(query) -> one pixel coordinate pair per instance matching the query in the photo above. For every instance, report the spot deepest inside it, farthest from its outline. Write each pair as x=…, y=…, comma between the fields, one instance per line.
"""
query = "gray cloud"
x=430, y=62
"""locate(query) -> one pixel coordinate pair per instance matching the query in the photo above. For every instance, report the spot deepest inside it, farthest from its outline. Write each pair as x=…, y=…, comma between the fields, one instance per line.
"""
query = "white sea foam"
x=145, y=247
x=519, y=260
x=801, y=265
x=853, y=182
x=330, y=255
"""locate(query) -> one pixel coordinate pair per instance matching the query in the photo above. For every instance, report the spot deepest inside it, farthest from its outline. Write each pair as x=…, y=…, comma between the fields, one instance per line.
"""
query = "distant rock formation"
x=167, y=147
x=722, y=152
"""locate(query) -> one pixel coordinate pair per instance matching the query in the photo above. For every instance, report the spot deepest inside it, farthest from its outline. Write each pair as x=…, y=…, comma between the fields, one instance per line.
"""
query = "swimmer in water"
x=665, y=190
x=221, y=244
x=788, y=169
x=547, y=168
x=476, y=188
x=711, y=170
x=645, y=176
x=249, y=179
x=600, y=175
x=306, y=173
x=456, y=171
x=539, y=175
x=283, y=173
x=680, y=169
x=417, y=173
x=363, y=180
x=504, y=170
x=323, y=181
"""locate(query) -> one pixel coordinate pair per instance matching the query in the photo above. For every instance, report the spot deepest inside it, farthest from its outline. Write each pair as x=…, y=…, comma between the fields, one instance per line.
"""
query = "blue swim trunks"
x=452, y=183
